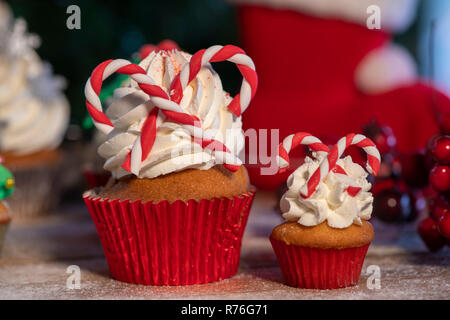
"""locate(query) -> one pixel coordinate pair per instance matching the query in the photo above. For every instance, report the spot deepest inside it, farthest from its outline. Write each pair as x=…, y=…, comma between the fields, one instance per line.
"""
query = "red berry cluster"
x=435, y=230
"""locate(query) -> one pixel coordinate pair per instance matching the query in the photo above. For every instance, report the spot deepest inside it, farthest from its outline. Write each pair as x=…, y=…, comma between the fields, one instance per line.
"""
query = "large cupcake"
x=34, y=115
x=176, y=207
x=6, y=189
x=323, y=243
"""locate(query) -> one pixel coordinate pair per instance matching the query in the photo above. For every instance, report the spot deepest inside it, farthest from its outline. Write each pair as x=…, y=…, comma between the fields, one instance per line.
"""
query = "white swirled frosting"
x=34, y=113
x=330, y=202
x=173, y=149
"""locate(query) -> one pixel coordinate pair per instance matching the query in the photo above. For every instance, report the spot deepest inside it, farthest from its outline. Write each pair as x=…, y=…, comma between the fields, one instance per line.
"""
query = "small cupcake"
x=34, y=115
x=328, y=202
x=6, y=189
x=175, y=209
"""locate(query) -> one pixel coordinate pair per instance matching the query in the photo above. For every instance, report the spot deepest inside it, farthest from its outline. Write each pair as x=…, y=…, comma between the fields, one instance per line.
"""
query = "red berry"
x=146, y=49
x=392, y=205
x=440, y=211
x=440, y=178
x=168, y=45
x=383, y=136
x=429, y=232
x=444, y=123
x=441, y=150
x=444, y=225
x=431, y=142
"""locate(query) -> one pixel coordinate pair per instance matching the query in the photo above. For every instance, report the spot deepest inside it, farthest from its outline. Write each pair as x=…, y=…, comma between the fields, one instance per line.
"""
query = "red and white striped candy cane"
x=158, y=96
x=161, y=100
x=294, y=140
x=329, y=163
x=216, y=54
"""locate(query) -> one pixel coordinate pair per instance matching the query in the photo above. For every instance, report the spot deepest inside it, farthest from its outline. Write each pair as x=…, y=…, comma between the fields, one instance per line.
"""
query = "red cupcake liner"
x=315, y=268
x=179, y=243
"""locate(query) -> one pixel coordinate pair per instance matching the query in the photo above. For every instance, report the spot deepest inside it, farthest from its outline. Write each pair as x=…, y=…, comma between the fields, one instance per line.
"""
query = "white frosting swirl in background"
x=173, y=149
x=34, y=112
x=31, y=119
x=5, y=16
x=330, y=202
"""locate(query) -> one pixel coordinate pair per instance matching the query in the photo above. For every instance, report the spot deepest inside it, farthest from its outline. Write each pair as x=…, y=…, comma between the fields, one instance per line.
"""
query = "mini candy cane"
x=169, y=104
x=329, y=163
x=294, y=140
x=216, y=54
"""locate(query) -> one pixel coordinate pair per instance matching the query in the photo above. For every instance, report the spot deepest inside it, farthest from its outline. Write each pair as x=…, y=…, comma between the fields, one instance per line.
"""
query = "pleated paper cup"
x=315, y=268
x=37, y=191
x=179, y=243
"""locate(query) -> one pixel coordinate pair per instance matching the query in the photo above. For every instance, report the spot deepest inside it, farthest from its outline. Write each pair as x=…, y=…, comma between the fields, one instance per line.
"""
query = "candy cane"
x=216, y=54
x=145, y=82
x=329, y=163
x=163, y=101
x=158, y=96
x=294, y=140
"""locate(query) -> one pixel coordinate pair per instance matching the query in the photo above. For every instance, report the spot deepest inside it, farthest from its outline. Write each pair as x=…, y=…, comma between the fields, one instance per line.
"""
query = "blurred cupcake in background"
x=6, y=189
x=34, y=115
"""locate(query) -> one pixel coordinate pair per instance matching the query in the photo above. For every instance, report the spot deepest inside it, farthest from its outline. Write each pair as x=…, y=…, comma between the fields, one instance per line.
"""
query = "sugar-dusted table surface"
x=37, y=253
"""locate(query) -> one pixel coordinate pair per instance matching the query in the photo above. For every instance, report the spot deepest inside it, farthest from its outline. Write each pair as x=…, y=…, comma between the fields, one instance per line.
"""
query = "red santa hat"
x=396, y=15
x=337, y=74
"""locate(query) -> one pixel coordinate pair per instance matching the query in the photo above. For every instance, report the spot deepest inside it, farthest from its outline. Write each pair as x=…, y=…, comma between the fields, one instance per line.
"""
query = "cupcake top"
x=176, y=117
x=34, y=113
x=331, y=202
x=328, y=189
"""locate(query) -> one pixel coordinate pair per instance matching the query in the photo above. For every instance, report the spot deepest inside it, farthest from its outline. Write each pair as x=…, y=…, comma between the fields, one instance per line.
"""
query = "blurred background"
x=320, y=67
x=115, y=29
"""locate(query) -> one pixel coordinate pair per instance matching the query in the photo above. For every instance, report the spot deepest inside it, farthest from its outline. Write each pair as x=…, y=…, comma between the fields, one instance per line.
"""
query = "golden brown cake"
x=41, y=158
x=323, y=236
x=188, y=184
